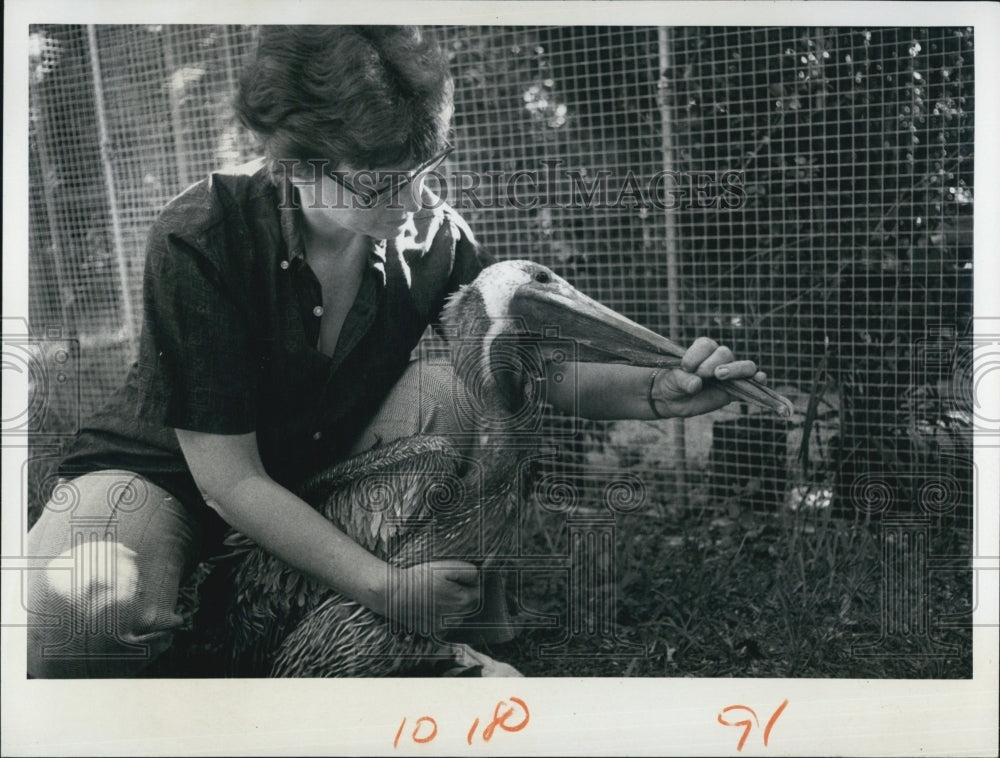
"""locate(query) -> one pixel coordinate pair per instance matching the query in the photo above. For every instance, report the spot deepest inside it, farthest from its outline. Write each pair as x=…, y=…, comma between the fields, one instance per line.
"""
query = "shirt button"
x=317, y=436
x=284, y=265
x=318, y=311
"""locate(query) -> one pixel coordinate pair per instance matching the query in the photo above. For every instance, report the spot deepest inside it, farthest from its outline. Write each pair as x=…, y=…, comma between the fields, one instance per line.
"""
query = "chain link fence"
x=803, y=195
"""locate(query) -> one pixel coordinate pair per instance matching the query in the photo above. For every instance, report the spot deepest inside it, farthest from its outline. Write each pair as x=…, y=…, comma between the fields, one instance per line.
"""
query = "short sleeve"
x=195, y=366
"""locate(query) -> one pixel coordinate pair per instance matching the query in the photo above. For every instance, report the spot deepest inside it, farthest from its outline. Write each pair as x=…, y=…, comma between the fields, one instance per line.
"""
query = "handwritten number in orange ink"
x=500, y=718
x=773, y=719
x=429, y=737
x=748, y=725
x=426, y=728
x=416, y=736
x=395, y=742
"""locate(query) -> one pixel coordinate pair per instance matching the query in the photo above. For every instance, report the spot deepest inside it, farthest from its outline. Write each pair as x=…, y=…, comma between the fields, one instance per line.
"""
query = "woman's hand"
x=419, y=596
x=682, y=391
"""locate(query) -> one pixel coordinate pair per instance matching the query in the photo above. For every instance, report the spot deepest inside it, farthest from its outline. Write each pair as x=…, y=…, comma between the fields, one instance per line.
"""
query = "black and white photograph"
x=517, y=378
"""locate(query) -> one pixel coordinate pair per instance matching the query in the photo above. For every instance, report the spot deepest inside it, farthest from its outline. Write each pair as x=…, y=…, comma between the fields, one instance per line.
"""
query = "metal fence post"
x=675, y=427
x=176, y=119
x=128, y=312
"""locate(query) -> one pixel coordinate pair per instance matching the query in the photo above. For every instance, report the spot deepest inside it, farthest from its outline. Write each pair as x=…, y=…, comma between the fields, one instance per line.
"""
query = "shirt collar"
x=291, y=220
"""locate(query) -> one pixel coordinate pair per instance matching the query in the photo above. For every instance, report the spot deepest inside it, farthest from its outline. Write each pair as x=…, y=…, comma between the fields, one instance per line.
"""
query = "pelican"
x=388, y=499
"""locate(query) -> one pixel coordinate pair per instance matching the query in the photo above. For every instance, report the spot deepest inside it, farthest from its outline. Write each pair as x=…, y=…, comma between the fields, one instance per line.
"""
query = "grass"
x=755, y=595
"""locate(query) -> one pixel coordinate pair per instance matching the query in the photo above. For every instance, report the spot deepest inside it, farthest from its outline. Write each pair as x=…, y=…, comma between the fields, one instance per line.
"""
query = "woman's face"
x=376, y=210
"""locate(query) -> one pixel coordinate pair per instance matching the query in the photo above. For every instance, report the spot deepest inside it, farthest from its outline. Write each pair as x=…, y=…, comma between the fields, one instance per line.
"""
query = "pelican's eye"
x=542, y=277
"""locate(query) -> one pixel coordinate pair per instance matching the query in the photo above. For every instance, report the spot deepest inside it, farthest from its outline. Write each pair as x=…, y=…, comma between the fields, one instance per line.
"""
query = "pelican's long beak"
x=604, y=336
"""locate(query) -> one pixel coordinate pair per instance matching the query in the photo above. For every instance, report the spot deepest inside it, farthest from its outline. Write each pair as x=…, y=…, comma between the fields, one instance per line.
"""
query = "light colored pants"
x=112, y=550
x=104, y=604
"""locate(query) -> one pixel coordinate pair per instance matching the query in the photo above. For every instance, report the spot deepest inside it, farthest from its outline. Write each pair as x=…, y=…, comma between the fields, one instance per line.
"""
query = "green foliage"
x=760, y=595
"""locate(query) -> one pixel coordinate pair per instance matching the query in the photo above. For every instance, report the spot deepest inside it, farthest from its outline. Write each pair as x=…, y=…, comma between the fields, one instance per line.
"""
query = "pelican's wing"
x=375, y=496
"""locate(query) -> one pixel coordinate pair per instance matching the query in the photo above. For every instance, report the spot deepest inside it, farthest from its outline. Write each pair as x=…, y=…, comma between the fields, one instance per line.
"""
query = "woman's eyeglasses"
x=372, y=187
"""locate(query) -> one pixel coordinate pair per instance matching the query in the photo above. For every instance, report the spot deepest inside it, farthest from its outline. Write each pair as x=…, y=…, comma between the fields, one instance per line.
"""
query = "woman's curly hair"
x=369, y=96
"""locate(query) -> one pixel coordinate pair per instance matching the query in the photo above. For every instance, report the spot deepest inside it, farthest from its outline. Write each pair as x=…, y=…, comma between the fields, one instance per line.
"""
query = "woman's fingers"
x=701, y=349
x=439, y=588
x=456, y=586
x=708, y=359
x=459, y=572
x=683, y=390
x=735, y=370
x=678, y=382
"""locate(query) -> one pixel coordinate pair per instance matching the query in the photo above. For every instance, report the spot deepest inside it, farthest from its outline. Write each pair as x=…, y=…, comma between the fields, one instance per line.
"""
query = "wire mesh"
x=122, y=119
x=853, y=247
x=816, y=217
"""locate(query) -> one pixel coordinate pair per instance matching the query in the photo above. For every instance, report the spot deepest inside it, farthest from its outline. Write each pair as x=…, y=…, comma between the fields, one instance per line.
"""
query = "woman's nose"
x=410, y=196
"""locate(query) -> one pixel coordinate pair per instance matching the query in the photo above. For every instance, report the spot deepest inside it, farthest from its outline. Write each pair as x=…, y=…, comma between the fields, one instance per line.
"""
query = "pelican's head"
x=516, y=304
x=526, y=298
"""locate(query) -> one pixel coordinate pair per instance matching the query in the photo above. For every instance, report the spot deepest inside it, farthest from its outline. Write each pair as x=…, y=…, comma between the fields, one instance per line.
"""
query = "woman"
x=281, y=304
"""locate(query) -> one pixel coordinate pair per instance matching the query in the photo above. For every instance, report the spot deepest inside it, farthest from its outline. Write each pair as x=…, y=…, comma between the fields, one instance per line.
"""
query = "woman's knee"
x=103, y=590
x=91, y=615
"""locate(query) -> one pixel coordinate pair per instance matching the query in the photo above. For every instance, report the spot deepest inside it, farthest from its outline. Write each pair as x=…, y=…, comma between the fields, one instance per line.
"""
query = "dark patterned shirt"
x=231, y=328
